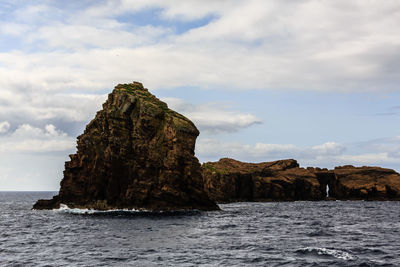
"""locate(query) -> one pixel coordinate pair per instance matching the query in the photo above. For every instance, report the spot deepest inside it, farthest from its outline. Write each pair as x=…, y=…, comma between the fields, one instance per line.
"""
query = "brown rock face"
x=369, y=183
x=230, y=180
x=136, y=153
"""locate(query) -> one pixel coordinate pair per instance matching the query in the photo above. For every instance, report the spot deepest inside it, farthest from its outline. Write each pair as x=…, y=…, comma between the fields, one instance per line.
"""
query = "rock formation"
x=368, y=183
x=135, y=154
x=283, y=180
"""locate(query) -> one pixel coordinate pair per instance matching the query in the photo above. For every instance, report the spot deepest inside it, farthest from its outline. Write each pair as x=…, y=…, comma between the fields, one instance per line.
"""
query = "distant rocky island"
x=139, y=154
x=283, y=180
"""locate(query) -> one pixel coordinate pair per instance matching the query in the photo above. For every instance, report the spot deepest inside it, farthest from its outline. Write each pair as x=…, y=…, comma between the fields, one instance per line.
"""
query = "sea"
x=302, y=233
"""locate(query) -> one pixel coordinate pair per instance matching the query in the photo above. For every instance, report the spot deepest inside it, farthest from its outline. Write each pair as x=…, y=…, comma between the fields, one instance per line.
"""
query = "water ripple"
x=341, y=233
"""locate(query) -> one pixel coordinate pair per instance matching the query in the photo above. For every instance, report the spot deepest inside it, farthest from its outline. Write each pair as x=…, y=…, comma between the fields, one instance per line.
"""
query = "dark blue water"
x=242, y=234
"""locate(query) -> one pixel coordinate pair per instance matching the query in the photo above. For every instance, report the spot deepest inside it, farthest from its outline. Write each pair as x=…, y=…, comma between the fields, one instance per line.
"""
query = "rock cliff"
x=135, y=154
x=369, y=183
x=283, y=180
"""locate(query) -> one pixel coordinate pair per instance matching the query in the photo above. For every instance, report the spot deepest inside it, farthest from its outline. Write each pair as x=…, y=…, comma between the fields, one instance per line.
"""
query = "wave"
x=326, y=252
x=124, y=212
x=66, y=209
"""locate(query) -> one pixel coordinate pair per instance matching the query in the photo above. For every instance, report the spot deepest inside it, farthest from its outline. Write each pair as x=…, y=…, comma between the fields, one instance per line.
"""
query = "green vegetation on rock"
x=143, y=94
x=209, y=166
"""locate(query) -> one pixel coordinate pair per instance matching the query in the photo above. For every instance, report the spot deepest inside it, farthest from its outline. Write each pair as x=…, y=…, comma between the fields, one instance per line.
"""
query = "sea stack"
x=135, y=154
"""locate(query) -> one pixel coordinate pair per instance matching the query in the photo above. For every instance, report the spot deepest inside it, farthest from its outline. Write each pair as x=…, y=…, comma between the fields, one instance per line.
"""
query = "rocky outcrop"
x=135, y=154
x=369, y=183
x=283, y=180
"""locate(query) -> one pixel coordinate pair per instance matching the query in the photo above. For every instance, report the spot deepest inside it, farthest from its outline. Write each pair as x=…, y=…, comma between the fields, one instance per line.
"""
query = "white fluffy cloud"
x=268, y=45
x=213, y=118
x=307, y=45
x=32, y=106
x=29, y=139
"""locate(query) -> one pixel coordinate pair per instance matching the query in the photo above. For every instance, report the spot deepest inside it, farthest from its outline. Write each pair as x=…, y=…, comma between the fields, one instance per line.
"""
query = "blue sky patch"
x=153, y=17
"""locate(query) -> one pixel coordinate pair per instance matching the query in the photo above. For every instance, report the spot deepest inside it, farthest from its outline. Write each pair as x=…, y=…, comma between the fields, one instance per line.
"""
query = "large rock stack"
x=135, y=154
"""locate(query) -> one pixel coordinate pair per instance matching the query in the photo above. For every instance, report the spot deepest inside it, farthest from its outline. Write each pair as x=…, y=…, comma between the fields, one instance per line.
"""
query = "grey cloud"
x=4, y=126
x=300, y=45
x=29, y=139
x=40, y=108
x=389, y=145
x=213, y=118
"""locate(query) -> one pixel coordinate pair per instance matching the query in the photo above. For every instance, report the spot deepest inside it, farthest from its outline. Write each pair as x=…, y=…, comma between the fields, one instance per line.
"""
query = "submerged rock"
x=135, y=154
x=283, y=180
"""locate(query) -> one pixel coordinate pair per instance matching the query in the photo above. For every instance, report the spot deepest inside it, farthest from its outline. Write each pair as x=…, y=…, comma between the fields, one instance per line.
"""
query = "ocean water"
x=333, y=233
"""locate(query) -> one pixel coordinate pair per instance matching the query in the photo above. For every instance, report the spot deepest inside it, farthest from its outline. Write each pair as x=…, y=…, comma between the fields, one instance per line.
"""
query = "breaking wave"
x=123, y=212
x=315, y=251
x=66, y=209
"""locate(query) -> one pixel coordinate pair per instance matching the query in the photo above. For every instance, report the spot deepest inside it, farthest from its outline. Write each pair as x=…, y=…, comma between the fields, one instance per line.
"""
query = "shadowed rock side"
x=135, y=154
x=283, y=180
x=231, y=180
x=369, y=183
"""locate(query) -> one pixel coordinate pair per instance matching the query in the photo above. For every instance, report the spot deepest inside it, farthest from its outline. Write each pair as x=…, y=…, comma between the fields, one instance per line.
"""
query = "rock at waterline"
x=135, y=154
x=230, y=180
x=367, y=183
x=283, y=180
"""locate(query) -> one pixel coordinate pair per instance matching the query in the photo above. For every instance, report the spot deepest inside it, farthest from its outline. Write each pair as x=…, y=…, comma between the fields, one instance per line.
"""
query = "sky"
x=313, y=80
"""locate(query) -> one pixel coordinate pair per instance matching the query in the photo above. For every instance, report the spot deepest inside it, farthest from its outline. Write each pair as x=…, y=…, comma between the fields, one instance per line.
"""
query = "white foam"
x=332, y=252
x=66, y=209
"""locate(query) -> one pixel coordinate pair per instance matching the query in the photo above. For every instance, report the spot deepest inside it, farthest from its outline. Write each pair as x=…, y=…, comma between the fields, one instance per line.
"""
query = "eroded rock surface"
x=135, y=154
x=369, y=183
x=283, y=180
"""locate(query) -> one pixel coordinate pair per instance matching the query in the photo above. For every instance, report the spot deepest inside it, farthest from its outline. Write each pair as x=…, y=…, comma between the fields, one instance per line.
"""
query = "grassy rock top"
x=151, y=102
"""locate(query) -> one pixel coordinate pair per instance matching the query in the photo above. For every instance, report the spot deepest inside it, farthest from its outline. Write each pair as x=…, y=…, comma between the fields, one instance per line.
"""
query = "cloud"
x=36, y=107
x=29, y=139
x=388, y=145
x=4, y=126
x=329, y=154
x=297, y=45
x=171, y=9
x=263, y=151
x=242, y=45
x=78, y=37
x=213, y=118
x=329, y=148
x=14, y=29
